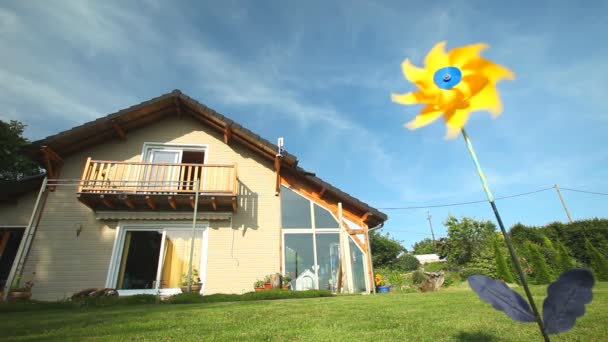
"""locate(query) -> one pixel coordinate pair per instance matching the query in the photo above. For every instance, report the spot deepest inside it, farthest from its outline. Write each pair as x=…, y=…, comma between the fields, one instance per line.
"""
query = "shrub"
x=564, y=262
x=190, y=298
x=503, y=272
x=539, y=265
x=418, y=277
x=436, y=266
x=598, y=263
x=451, y=278
x=469, y=271
x=406, y=262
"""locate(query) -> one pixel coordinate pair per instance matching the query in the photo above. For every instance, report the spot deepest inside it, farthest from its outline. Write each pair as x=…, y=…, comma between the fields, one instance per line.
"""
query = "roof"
x=109, y=127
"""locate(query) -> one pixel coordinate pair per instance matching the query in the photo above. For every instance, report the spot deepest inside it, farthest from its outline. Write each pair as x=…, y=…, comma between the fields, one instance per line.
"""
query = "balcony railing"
x=136, y=179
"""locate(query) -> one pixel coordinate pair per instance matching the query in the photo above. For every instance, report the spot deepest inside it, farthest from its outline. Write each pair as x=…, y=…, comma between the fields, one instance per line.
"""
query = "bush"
x=503, y=272
x=564, y=261
x=469, y=271
x=399, y=281
x=406, y=262
x=418, y=277
x=436, y=266
x=598, y=263
x=451, y=278
x=539, y=265
x=190, y=298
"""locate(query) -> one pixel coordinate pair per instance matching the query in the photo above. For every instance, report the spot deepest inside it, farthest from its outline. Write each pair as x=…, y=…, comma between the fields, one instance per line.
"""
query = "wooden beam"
x=277, y=169
x=107, y=202
x=84, y=200
x=322, y=192
x=359, y=243
x=192, y=202
x=52, y=154
x=150, y=202
x=234, y=204
x=172, y=202
x=5, y=236
x=53, y=163
x=366, y=216
x=119, y=131
x=227, y=134
x=213, y=203
x=178, y=108
x=129, y=202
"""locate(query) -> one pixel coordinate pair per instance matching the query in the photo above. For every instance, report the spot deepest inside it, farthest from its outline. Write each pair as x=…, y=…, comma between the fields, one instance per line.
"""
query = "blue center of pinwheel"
x=448, y=77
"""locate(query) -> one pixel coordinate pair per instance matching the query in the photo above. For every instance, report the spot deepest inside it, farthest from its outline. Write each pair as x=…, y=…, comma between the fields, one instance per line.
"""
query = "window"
x=172, y=177
x=152, y=258
x=312, y=243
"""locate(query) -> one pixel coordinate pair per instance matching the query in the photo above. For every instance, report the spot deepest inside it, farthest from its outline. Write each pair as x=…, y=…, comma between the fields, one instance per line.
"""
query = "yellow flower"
x=453, y=85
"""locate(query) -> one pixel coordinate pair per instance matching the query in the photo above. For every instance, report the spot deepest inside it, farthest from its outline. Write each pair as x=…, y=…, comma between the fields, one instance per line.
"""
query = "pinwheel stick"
x=521, y=275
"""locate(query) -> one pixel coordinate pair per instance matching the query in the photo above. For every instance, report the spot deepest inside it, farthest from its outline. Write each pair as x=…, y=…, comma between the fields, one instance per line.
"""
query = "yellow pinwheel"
x=453, y=85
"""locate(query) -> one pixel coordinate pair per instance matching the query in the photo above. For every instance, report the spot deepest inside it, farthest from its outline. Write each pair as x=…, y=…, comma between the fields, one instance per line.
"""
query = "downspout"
x=28, y=236
x=369, y=254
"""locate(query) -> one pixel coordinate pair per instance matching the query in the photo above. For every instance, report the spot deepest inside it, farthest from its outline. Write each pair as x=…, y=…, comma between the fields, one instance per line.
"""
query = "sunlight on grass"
x=453, y=314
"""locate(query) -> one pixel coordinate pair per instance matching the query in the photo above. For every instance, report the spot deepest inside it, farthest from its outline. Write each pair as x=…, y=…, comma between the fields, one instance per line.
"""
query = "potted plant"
x=381, y=286
x=267, y=284
x=19, y=292
x=285, y=280
x=196, y=283
x=258, y=285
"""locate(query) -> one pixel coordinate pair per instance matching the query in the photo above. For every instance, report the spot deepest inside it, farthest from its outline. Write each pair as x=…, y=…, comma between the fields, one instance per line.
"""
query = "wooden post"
x=561, y=198
x=195, y=212
x=85, y=174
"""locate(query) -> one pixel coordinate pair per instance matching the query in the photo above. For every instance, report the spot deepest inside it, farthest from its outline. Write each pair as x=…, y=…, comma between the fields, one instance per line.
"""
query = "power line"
x=466, y=203
x=587, y=192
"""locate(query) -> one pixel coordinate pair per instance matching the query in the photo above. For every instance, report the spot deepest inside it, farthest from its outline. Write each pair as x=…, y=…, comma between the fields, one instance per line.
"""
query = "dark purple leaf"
x=566, y=299
x=502, y=298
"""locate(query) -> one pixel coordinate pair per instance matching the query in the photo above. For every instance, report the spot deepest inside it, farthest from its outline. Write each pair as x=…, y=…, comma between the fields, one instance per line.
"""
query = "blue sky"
x=320, y=74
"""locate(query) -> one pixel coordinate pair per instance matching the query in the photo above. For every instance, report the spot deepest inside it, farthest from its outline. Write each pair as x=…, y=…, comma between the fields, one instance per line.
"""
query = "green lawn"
x=452, y=314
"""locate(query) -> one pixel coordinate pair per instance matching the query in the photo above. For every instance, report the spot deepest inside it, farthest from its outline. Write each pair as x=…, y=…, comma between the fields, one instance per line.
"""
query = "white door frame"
x=119, y=242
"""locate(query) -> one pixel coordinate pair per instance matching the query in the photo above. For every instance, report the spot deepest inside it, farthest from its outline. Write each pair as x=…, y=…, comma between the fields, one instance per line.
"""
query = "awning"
x=159, y=215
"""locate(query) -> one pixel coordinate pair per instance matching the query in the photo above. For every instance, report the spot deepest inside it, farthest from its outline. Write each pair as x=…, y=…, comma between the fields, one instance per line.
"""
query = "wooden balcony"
x=118, y=185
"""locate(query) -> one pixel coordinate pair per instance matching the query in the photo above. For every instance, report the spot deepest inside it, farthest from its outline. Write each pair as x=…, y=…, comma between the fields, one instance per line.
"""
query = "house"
x=428, y=258
x=133, y=198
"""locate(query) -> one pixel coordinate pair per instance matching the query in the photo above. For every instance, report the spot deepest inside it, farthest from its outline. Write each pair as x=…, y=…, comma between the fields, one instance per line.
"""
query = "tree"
x=598, y=264
x=539, y=265
x=406, y=262
x=426, y=246
x=564, y=261
x=503, y=271
x=13, y=164
x=467, y=239
x=385, y=249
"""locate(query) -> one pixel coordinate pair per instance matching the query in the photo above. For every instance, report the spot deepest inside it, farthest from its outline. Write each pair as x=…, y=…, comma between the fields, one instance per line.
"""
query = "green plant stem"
x=522, y=277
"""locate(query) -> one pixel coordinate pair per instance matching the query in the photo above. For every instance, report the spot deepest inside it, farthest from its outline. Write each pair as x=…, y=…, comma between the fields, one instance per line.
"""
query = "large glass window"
x=328, y=259
x=357, y=264
x=324, y=219
x=312, y=243
x=295, y=210
x=299, y=260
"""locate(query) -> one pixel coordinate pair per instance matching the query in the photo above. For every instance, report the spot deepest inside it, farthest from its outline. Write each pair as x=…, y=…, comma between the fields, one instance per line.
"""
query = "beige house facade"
x=130, y=200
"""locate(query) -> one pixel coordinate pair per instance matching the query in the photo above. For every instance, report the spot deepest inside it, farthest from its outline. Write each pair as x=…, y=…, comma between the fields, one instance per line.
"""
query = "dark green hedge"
x=572, y=235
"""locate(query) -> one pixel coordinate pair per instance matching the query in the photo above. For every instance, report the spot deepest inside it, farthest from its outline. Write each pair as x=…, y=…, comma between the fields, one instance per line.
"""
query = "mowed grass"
x=449, y=315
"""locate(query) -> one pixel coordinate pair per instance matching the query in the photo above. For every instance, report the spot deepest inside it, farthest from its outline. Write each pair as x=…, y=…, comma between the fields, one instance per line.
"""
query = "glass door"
x=162, y=176
x=157, y=260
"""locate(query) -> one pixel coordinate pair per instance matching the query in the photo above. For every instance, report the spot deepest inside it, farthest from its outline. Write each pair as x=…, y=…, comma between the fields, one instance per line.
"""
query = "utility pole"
x=561, y=198
x=428, y=217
